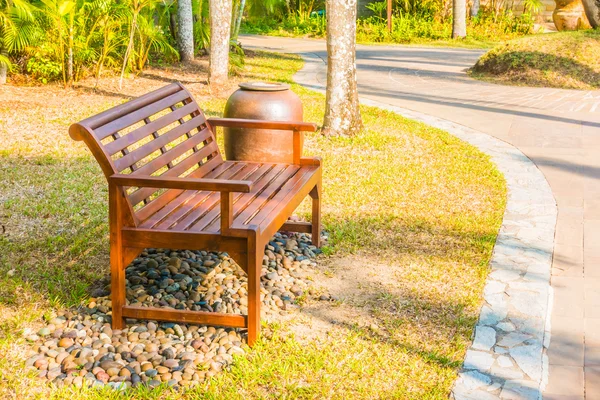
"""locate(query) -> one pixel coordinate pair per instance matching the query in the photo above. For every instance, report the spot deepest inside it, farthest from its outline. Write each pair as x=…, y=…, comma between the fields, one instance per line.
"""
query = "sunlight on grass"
x=401, y=194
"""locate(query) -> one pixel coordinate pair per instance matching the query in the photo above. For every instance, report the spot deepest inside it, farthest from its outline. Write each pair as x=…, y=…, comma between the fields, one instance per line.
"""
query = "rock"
x=168, y=353
x=102, y=376
x=66, y=342
x=44, y=332
x=53, y=373
x=151, y=373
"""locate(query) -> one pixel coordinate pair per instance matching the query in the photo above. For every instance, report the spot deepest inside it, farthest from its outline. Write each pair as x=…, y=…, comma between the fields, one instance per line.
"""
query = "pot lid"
x=264, y=86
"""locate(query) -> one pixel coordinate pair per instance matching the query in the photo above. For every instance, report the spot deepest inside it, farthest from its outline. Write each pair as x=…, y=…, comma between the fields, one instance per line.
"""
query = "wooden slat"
x=138, y=237
x=264, y=198
x=196, y=157
x=290, y=189
x=154, y=145
x=261, y=188
x=104, y=117
x=177, y=151
x=274, y=221
x=182, y=316
x=160, y=182
x=264, y=174
x=303, y=227
x=170, y=215
x=150, y=214
x=153, y=126
x=136, y=116
x=177, y=170
x=210, y=203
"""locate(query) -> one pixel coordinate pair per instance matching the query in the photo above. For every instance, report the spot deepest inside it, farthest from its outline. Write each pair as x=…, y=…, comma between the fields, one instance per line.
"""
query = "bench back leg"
x=315, y=194
x=117, y=267
x=254, y=269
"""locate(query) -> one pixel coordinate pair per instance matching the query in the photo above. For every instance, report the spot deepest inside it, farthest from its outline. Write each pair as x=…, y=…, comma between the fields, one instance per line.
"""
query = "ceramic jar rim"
x=260, y=86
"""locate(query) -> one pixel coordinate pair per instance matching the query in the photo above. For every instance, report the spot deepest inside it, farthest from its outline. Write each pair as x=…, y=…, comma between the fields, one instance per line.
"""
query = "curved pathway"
x=559, y=130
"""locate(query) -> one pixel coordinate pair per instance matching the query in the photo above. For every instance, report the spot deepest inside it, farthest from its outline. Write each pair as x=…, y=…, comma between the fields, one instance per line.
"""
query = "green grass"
x=412, y=199
x=563, y=60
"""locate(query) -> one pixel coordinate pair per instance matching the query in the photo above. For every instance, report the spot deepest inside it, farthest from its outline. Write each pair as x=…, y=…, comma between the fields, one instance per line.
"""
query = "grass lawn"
x=563, y=60
x=412, y=214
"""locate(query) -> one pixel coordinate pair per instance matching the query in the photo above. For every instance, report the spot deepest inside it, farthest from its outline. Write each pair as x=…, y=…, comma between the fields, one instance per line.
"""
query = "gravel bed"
x=78, y=347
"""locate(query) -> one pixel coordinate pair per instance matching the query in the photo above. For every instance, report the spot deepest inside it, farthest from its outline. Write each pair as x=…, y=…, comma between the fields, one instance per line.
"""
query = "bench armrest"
x=159, y=182
x=263, y=124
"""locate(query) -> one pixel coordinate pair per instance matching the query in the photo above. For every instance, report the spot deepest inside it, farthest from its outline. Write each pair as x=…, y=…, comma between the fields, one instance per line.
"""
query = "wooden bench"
x=169, y=187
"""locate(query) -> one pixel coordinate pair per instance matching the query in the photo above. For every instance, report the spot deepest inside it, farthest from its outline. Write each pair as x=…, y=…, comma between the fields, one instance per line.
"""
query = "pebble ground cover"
x=387, y=311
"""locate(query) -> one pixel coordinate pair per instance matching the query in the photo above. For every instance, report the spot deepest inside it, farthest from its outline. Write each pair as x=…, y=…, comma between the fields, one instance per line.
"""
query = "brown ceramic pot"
x=569, y=15
x=267, y=101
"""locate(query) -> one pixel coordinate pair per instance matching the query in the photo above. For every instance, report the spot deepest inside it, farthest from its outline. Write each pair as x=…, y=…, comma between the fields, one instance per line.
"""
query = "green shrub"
x=43, y=67
x=423, y=23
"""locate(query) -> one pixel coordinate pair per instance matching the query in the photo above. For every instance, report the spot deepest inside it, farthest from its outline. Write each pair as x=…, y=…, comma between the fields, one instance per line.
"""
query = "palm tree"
x=342, y=110
x=136, y=7
x=17, y=25
x=459, y=18
x=185, y=33
x=220, y=32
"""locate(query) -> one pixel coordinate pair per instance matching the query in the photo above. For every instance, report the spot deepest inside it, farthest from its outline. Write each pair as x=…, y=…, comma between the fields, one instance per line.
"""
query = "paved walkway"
x=559, y=130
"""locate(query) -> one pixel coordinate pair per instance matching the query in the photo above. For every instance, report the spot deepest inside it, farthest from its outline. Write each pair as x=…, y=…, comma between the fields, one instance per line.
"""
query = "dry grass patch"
x=412, y=214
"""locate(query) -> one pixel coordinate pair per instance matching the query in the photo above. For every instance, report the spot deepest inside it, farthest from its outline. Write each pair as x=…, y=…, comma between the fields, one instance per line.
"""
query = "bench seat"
x=274, y=185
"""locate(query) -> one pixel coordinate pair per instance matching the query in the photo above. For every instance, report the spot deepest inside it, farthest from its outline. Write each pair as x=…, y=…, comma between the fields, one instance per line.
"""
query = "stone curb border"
x=507, y=359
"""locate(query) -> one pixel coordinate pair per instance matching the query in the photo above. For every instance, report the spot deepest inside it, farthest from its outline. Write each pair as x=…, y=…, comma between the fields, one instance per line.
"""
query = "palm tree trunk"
x=475, y=8
x=459, y=18
x=220, y=30
x=70, y=50
x=185, y=33
x=129, y=47
x=238, y=21
x=342, y=111
x=173, y=25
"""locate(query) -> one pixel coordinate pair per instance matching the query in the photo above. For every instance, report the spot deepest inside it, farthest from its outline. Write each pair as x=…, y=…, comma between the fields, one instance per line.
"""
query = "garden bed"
x=561, y=60
x=411, y=213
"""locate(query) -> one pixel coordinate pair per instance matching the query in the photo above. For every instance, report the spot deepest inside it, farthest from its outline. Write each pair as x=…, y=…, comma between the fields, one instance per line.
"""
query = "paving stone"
x=504, y=362
x=513, y=339
x=529, y=359
x=506, y=373
x=528, y=303
x=474, y=379
x=489, y=316
x=478, y=360
x=520, y=390
x=506, y=326
x=485, y=338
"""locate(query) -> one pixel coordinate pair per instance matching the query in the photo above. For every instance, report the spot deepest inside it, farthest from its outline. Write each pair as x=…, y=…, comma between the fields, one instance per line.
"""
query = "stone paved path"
x=559, y=130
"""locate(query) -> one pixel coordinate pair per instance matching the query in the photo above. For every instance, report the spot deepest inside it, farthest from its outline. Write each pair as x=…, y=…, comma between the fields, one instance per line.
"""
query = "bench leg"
x=117, y=286
x=255, y=256
x=117, y=269
x=315, y=194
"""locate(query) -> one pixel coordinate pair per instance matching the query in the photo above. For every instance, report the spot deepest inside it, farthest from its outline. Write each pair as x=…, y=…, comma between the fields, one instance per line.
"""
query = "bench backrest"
x=162, y=133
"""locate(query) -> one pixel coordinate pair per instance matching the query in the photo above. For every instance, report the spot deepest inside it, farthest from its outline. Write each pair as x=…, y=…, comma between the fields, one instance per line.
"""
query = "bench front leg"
x=255, y=257
x=117, y=269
